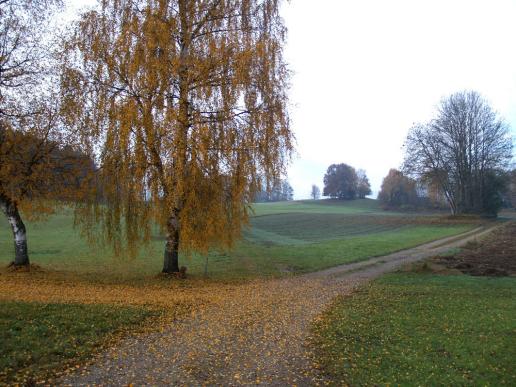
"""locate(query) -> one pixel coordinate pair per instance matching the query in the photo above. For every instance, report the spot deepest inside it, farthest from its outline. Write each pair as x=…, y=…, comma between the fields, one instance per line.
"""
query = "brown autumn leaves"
x=175, y=112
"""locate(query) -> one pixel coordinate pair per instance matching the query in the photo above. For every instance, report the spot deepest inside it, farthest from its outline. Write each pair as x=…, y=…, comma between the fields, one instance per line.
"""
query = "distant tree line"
x=399, y=191
x=279, y=192
x=342, y=181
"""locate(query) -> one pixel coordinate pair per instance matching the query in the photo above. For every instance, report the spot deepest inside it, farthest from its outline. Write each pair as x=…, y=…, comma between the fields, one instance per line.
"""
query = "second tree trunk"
x=171, y=255
x=21, y=253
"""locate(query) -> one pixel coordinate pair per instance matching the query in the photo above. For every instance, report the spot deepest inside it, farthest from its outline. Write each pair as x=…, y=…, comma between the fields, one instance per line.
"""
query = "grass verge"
x=39, y=340
x=278, y=260
x=422, y=329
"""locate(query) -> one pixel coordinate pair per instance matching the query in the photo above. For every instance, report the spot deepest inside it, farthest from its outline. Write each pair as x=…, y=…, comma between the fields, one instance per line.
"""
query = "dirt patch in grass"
x=493, y=256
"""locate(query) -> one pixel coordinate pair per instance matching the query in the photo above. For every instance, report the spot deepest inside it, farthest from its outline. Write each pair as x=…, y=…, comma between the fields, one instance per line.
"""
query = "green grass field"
x=283, y=238
x=422, y=329
x=44, y=337
x=328, y=206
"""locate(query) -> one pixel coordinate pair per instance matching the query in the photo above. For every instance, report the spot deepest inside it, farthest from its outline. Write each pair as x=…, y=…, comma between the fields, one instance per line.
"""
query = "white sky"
x=365, y=70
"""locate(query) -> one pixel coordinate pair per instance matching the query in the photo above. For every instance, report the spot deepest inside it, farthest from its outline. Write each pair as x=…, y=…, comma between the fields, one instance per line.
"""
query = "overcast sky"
x=365, y=70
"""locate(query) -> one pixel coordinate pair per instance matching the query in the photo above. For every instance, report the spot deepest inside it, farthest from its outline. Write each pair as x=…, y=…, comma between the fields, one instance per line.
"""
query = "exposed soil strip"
x=495, y=256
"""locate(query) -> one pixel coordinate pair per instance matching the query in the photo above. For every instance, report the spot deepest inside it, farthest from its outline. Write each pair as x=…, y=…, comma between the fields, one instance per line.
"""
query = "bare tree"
x=315, y=194
x=24, y=52
x=462, y=150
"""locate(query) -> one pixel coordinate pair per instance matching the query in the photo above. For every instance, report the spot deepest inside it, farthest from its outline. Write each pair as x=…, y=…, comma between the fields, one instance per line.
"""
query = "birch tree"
x=39, y=170
x=185, y=102
x=27, y=132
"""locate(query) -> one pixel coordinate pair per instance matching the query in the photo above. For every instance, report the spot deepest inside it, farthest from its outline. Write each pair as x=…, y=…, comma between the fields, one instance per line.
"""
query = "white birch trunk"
x=9, y=208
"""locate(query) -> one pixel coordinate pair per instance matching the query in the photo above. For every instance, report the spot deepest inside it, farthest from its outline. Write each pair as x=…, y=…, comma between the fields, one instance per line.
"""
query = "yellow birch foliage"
x=185, y=103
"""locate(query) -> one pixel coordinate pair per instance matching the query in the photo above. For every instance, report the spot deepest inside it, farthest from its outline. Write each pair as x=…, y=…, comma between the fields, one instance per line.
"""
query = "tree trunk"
x=10, y=209
x=171, y=256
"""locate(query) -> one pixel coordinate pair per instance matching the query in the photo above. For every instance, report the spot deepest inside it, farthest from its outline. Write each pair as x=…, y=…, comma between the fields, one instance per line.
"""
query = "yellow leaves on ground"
x=246, y=333
x=53, y=288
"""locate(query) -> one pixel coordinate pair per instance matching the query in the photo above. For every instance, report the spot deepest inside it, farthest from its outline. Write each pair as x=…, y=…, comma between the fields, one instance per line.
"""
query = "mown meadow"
x=422, y=329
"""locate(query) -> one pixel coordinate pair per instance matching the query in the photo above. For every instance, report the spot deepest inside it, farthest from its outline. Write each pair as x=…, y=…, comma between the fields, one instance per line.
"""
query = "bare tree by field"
x=31, y=141
x=315, y=193
x=286, y=192
x=464, y=150
x=186, y=103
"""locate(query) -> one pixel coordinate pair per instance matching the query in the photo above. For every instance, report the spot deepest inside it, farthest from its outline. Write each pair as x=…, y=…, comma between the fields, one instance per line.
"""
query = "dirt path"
x=256, y=336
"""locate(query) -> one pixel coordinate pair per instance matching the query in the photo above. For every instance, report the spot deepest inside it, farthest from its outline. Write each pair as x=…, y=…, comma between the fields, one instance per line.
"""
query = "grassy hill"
x=325, y=206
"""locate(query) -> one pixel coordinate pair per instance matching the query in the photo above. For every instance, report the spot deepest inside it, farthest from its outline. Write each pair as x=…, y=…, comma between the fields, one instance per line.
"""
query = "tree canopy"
x=363, y=185
x=397, y=190
x=464, y=150
x=25, y=48
x=342, y=181
x=185, y=103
